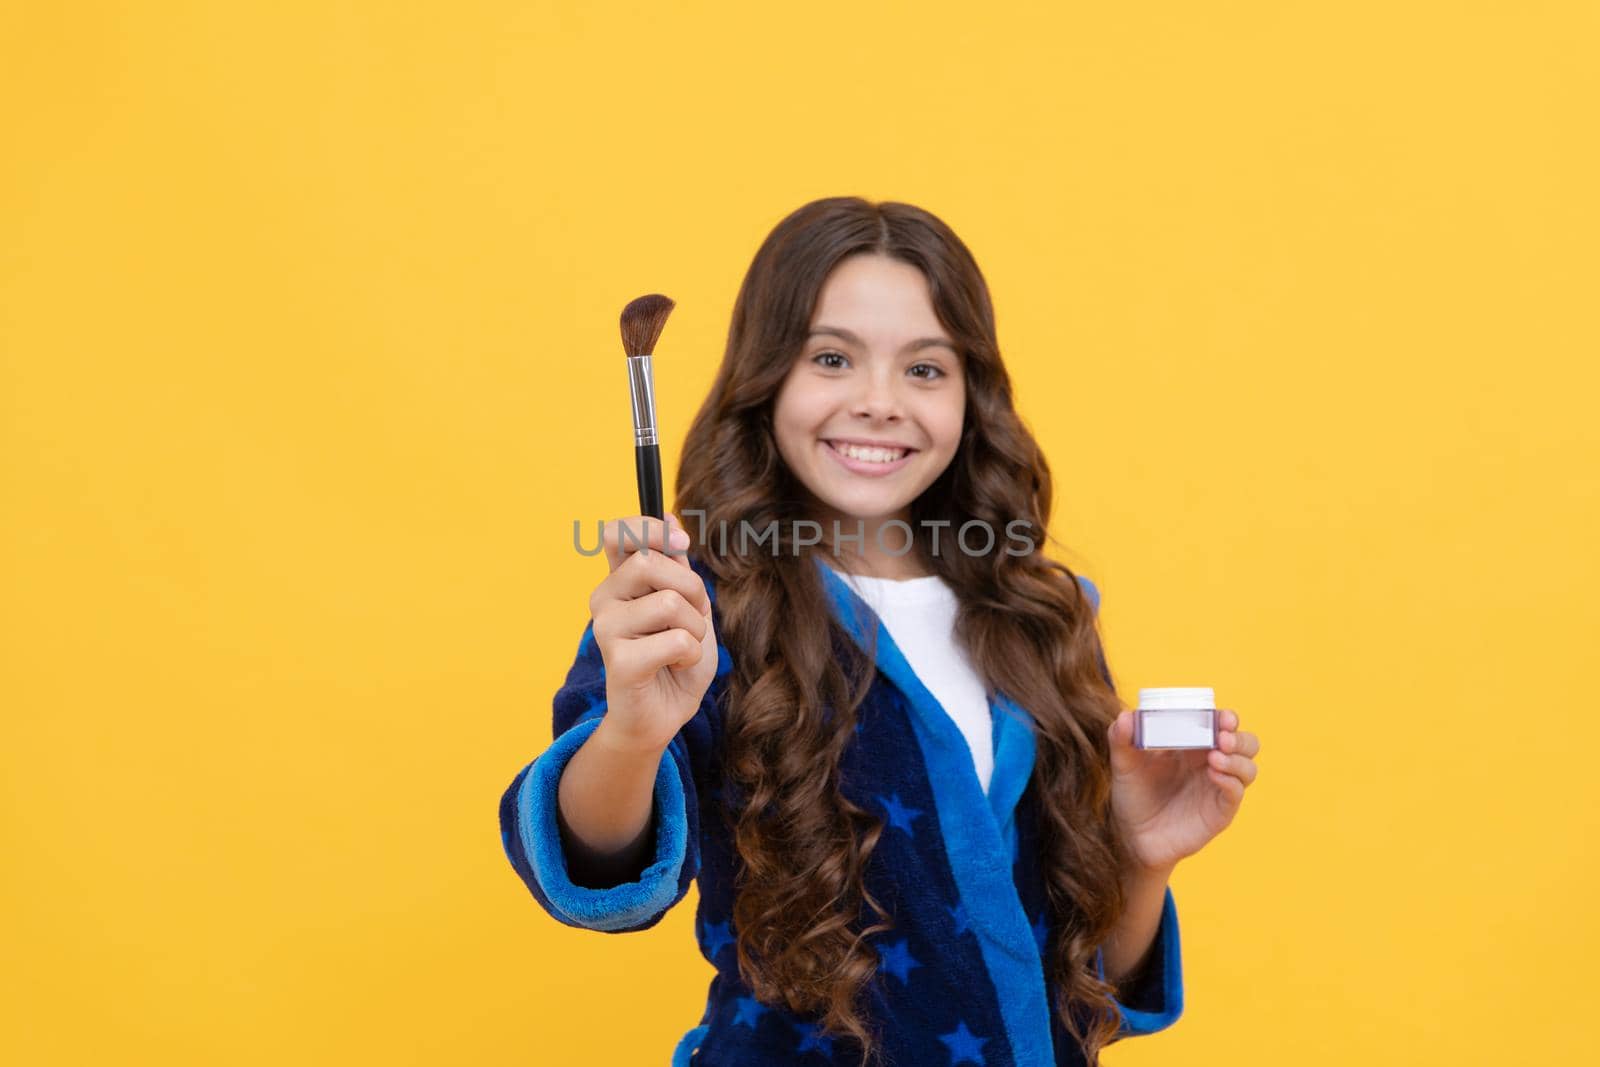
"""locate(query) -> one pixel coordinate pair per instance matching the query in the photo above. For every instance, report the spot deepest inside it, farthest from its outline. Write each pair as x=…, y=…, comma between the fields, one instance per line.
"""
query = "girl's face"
x=870, y=413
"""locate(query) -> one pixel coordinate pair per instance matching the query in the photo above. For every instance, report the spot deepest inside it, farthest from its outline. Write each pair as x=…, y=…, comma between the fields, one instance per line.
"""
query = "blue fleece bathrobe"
x=961, y=978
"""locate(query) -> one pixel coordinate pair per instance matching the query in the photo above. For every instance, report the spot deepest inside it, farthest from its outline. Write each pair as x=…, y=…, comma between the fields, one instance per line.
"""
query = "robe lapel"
x=979, y=832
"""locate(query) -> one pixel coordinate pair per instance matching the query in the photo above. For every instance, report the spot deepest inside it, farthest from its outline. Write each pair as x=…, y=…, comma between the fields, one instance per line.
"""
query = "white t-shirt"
x=920, y=614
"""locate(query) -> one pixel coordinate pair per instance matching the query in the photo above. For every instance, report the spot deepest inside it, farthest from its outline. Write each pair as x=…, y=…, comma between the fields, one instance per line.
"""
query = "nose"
x=876, y=400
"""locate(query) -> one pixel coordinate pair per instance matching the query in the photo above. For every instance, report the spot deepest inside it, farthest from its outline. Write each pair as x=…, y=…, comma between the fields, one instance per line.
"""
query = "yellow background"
x=308, y=320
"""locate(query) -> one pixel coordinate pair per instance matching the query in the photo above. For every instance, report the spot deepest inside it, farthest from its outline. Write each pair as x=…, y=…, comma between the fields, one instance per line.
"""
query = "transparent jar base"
x=1175, y=728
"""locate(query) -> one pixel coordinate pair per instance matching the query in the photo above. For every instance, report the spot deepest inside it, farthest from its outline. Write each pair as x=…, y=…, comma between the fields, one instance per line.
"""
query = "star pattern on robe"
x=748, y=1012
x=959, y=915
x=899, y=814
x=964, y=1045
x=717, y=937
x=813, y=1039
x=898, y=961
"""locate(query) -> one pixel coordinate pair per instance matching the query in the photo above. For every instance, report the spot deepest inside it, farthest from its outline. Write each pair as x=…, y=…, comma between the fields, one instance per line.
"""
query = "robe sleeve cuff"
x=1155, y=1000
x=618, y=907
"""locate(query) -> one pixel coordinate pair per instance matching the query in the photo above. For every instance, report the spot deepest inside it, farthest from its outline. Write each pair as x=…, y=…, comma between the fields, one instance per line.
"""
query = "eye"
x=937, y=372
x=821, y=357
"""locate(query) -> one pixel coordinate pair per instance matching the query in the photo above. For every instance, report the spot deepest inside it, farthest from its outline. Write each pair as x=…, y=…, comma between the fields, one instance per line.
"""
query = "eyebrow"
x=915, y=346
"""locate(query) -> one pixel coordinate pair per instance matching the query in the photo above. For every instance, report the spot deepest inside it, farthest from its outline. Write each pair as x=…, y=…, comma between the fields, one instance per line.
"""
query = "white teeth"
x=871, y=455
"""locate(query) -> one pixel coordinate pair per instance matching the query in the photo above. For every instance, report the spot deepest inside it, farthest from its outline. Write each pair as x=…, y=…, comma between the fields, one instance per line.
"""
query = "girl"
x=853, y=699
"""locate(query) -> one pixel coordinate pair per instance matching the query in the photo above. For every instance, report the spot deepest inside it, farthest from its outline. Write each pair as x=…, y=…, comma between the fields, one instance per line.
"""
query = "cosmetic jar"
x=1176, y=717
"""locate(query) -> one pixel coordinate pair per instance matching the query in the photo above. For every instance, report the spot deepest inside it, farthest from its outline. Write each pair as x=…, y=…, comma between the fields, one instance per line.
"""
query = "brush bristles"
x=642, y=322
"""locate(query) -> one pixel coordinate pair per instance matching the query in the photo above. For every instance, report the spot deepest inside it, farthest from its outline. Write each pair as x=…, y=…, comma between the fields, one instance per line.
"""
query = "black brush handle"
x=647, y=463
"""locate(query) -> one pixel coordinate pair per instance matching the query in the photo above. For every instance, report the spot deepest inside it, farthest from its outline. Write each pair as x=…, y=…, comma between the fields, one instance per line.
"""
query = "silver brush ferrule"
x=642, y=394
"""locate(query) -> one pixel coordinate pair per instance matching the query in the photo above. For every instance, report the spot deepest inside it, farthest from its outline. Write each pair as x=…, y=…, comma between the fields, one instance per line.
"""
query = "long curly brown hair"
x=792, y=697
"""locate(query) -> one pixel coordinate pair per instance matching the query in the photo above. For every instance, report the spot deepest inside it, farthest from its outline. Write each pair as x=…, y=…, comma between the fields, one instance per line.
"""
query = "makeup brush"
x=642, y=322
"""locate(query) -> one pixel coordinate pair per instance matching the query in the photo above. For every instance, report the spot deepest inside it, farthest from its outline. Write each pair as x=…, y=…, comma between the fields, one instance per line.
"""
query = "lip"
x=863, y=467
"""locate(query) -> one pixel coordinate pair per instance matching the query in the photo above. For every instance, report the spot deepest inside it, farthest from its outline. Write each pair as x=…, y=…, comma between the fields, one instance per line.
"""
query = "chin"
x=868, y=506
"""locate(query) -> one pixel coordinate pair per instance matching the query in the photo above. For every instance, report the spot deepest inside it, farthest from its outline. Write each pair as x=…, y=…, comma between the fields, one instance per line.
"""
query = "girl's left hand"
x=1169, y=802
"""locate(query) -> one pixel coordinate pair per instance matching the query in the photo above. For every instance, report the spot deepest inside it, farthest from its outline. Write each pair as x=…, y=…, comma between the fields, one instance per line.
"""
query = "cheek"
x=943, y=423
x=794, y=419
x=800, y=409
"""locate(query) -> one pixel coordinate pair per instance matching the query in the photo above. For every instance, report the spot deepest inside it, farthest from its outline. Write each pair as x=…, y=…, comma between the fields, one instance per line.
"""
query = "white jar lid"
x=1177, y=697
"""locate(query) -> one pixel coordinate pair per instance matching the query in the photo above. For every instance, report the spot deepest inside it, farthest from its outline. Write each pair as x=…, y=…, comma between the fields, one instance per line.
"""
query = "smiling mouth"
x=869, y=453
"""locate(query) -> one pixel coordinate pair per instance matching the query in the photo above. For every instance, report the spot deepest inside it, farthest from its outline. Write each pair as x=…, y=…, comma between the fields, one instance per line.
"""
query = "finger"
x=1246, y=744
x=644, y=534
x=664, y=609
x=642, y=574
x=1239, y=767
x=1230, y=786
x=639, y=659
x=1227, y=719
x=1241, y=742
x=641, y=534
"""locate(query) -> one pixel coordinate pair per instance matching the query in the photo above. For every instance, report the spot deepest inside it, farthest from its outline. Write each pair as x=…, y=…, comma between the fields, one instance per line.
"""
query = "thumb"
x=677, y=539
x=1121, y=730
x=1120, y=734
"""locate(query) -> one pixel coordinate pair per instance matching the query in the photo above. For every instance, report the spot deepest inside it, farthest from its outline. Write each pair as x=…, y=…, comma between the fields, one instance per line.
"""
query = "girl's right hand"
x=652, y=621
